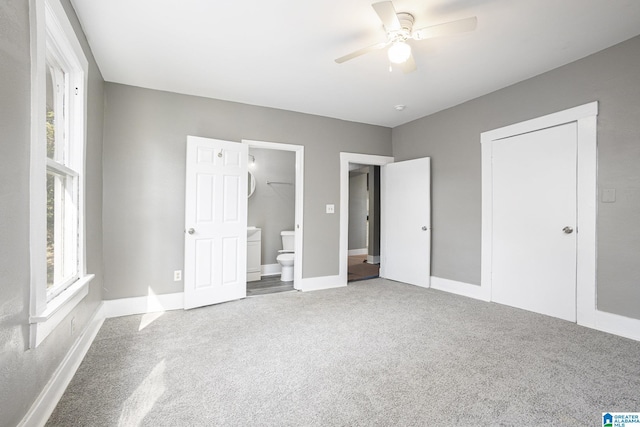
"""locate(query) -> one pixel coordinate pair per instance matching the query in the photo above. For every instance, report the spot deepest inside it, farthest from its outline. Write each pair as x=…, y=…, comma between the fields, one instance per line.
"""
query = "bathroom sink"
x=251, y=230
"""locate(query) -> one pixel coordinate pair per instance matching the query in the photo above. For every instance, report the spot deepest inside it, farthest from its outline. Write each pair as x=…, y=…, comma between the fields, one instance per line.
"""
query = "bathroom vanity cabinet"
x=254, y=253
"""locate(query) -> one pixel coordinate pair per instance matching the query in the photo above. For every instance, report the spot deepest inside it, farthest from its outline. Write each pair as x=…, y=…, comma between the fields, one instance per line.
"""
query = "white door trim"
x=299, y=200
x=586, y=118
x=345, y=159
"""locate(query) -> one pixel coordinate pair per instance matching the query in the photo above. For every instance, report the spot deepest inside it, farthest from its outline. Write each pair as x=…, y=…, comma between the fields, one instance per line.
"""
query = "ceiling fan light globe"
x=399, y=52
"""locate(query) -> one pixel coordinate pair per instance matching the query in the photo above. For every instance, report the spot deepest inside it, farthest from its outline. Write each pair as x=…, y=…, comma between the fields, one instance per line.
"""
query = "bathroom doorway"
x=363, y=261
x=275, y=206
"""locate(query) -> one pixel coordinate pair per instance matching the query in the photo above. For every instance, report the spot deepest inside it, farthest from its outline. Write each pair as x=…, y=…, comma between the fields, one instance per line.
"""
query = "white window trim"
x=49, y=17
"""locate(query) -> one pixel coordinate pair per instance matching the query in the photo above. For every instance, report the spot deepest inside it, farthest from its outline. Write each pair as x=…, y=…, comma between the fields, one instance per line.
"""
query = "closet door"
x=534, y=221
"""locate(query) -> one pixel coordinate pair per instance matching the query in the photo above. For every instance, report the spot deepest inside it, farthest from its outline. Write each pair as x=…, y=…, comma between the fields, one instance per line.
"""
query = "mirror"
x=252, y=184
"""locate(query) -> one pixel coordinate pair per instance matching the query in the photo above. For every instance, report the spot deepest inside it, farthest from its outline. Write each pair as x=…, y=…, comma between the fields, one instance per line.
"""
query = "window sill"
x=57, y=309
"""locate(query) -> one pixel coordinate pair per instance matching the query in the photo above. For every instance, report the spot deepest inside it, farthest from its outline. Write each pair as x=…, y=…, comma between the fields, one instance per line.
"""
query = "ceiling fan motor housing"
x=406, y=26
x=406, y=21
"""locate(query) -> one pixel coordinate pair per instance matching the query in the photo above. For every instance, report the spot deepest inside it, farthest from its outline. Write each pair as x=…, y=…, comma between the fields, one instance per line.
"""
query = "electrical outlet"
x=177, y=275
x=331, y=209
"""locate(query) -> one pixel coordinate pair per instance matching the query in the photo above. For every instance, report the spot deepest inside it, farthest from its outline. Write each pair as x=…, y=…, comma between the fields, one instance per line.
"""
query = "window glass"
x=51, y=129
x=61, y=230
x=51, y=230
x=57, y=111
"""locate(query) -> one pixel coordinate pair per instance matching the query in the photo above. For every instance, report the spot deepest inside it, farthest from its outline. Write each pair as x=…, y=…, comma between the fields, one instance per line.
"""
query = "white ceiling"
x=280, y=53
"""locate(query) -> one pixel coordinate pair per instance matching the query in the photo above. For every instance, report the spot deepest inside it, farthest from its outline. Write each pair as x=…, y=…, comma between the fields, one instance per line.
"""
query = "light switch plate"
x=331, y=209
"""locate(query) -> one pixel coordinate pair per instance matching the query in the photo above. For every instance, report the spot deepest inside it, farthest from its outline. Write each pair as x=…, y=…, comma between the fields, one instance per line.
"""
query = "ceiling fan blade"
x=446, y=29
x=362, y=51
x=387, y=14
x=409, y=65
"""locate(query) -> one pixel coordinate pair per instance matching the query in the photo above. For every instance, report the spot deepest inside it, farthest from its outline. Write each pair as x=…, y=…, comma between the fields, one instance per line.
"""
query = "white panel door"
x=406, y=203
x=215, y=222
x=534, y=220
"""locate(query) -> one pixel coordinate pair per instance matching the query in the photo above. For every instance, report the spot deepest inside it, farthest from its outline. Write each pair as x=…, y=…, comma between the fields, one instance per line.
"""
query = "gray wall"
x=144, y=178
x=24, y=372
x=358, y=196
x=452, y=139
x=272, y=207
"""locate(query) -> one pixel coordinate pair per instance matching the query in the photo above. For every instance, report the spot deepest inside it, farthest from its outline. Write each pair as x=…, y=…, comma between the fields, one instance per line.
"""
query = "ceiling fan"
x=399, y=28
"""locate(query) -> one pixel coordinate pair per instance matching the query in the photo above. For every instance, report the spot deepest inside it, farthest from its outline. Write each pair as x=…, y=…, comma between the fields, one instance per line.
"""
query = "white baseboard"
x=373, y=259
x=460, y=288
x=142, y=305
x=362, y=251
x=50, y=395
x=324, y=282
x=270, y=269
x=606, y=322
x=617, y=325
x=254, y=276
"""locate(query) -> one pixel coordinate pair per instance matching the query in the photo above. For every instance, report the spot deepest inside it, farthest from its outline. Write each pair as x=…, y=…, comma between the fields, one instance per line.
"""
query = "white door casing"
x=215, y=222
x=534, y=221
x=299, y=201
x=345, y=160
x=585, y=117
x=406, y=215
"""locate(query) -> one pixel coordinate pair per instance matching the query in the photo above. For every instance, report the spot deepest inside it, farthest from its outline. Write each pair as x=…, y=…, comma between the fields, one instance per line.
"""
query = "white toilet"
x=286, y=257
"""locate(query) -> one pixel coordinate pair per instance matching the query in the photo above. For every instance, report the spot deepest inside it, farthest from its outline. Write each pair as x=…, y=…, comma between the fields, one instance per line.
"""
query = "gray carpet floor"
x=375, y=353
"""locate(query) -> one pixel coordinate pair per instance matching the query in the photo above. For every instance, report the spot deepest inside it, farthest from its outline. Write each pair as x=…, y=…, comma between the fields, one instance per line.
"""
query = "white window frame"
x=51, y=29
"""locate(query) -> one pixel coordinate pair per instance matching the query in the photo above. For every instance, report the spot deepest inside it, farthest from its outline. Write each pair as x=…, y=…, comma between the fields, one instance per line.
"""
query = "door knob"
x=191, y=231
x=424, y=228
x=568, y=230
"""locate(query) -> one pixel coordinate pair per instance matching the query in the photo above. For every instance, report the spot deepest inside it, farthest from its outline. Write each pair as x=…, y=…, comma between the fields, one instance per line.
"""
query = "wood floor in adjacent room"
x=268, y=285
x=359, y=269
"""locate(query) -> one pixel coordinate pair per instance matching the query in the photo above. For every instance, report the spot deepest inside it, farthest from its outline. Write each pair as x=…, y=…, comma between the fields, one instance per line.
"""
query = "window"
x=59, y=68
x=62, y=178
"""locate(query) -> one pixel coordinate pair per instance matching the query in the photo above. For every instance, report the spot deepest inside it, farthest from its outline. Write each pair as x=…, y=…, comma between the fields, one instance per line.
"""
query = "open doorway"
x=350, y=162
x=363, y=260
x=274, y=218
x=405, y=217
